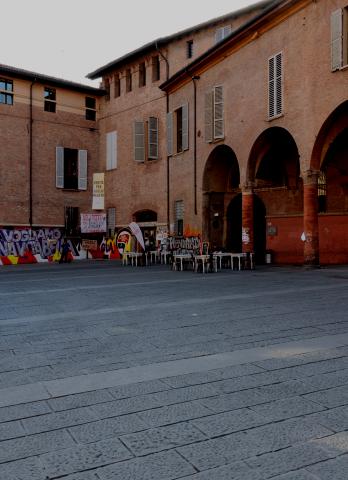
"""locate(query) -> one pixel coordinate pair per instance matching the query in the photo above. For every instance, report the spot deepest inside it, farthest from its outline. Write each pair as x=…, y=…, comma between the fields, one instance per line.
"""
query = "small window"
x=156, y=73
x=142, y=74
x=6, y=89
x=128, y=80
x=107, y=89
x=50, y=99
x=189, y=49
x=322, y=198
x=222, y=32
x=90, y=104
x=117, y=85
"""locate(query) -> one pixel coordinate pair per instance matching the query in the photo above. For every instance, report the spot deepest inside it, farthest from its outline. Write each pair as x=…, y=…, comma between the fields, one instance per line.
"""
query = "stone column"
x=247, y=220
x=310, y=218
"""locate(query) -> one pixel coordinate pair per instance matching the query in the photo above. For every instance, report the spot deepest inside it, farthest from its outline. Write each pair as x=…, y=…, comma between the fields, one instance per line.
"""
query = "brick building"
x=267, y=164
x=49, y=138
x=132, y=123
x=234, y=129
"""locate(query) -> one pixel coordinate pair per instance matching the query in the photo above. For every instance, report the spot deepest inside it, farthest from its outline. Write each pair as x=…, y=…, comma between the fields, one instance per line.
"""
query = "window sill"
x=270, y=119
x=71, y=190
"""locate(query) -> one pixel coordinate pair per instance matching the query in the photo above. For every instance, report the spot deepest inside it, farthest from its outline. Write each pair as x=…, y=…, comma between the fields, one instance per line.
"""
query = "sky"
x=71, y=38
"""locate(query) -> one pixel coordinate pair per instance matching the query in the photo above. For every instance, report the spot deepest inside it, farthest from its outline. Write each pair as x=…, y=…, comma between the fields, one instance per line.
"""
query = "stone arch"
x=273, y=172
x=330, y=159
x=336, y=123
x=274, y=160
x=221, y=179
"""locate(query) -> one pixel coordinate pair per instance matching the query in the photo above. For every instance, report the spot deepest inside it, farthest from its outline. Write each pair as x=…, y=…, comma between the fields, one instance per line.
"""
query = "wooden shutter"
x=153, y=138
x=111, y=150
x=59, y=167
x=185, y=127
x=209, y=117
x=218, y=112
x=170, y=133
x=275, y=85
x=139, y=141
x=279, y=83
x=82, y=181
x=336, y=39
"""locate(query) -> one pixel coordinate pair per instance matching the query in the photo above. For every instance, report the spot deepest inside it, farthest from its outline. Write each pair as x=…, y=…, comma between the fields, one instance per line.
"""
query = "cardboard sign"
x=89, y=244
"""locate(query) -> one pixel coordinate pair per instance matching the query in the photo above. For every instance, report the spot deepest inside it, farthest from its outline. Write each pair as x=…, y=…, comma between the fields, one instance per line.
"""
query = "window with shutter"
x=218, y=112
x=111, y=150
x=208, y=117
x=170, y=133
x=82, y=170
x=275, y=86
x=60, y=167
x=185, y=127
x=139, y=141
x=153, y=138
x=336, y=39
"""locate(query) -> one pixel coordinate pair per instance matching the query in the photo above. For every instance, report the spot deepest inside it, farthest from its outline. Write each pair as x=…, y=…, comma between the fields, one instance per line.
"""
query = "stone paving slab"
x=79, y=458
x=168, y=465
x=189, y=383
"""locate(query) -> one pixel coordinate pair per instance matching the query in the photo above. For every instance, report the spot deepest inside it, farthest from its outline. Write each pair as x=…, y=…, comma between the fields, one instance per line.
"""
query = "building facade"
x=49, y=137
x=235, y=130
x=268, y=136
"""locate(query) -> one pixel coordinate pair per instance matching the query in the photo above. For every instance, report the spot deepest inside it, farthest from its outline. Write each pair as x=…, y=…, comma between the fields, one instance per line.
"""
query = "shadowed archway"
x=274, y=174
x=221, y=180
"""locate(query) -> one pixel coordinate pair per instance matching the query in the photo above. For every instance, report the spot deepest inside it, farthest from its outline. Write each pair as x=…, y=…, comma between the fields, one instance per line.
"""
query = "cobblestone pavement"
x=120, y=373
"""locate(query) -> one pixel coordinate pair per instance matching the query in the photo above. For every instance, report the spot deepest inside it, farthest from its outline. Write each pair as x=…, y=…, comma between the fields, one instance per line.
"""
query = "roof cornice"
x=277, y=12
x=163, y=41
x=19, y=73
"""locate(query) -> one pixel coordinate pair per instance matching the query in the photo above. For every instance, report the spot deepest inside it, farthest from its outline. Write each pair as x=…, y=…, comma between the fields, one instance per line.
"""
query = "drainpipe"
x=168, y=158
x=31, y=154
x=194, y=78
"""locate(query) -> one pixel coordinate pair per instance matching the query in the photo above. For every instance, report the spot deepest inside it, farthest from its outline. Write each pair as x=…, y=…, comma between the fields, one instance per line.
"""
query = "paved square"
x=120, y=373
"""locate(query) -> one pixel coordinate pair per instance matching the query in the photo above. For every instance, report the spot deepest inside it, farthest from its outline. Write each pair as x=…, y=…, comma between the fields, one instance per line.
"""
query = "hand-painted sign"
x=98, y=191
x=88, y=244
x=93, y=222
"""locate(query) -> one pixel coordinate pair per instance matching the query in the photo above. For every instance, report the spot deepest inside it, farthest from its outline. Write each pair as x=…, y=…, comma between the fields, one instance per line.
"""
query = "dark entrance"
x=234, y=225
x=259, y=230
